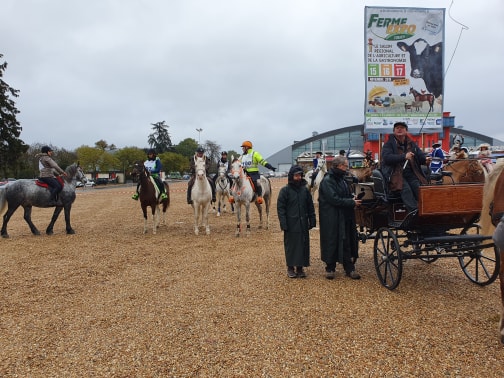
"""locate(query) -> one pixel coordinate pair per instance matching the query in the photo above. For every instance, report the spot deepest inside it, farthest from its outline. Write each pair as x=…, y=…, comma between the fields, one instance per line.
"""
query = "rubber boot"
x=189, y=188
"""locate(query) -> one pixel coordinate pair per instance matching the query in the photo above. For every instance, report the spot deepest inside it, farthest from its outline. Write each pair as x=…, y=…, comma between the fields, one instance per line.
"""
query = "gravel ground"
x=111, y=301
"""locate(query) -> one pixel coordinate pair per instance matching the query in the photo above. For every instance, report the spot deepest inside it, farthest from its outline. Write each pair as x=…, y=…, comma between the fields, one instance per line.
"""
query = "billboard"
x=404, y=64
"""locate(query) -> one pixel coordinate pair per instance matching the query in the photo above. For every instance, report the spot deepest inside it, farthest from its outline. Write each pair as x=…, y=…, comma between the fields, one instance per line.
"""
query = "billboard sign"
x=404, y=63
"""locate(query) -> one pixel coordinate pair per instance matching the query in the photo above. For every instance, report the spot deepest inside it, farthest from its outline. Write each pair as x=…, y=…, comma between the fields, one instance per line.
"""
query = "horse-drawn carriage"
x=444, y=226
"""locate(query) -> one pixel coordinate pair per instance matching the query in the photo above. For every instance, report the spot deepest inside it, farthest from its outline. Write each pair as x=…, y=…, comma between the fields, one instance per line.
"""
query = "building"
x=356, y=143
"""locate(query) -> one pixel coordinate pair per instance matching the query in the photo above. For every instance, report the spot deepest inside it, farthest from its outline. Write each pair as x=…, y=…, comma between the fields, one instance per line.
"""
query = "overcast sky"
x=269, y=71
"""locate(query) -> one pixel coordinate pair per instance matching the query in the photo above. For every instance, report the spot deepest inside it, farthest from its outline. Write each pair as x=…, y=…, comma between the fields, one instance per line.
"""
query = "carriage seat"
x=381, y=189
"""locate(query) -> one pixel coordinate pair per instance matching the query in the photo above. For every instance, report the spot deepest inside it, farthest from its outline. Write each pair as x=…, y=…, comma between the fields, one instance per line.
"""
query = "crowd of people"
x=401, y=164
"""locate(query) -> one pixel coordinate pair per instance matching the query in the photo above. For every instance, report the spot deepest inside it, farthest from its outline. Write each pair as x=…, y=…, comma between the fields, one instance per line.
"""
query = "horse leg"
x=144, y=211
x=27, y=218
x=238, y=218
x=501, y=279
x=205, y=218
x=57, y=211
x=247, y=218
x=259, y=210
x=197, y=207
x=6, y=218
x=155, y=218
x=68, y=227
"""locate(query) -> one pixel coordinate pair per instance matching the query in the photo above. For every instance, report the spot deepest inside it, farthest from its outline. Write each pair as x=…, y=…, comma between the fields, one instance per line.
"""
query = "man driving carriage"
x=47, y=166
x=154, y=166
x=401, y=162
x=250, y=160
x=200, y=153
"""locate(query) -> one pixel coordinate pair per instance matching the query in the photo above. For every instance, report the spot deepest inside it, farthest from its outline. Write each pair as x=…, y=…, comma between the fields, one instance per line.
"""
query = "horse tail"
x=3, y=202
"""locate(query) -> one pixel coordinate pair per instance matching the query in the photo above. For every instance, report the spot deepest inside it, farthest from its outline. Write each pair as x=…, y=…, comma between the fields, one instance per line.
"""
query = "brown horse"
x=150, y=196
x=419, y=97
x=492, y=210
x=363, y=174
x=464, y=171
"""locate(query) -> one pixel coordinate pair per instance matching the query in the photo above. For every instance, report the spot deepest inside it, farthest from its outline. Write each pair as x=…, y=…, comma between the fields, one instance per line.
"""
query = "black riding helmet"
x=200, y=149
x=46, y=149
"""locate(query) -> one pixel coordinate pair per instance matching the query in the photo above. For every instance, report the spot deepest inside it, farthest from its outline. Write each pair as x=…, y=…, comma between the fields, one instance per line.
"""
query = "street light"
x=199, y=135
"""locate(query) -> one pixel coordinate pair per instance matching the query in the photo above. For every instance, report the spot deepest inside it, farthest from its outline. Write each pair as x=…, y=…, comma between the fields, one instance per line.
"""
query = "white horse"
x=243, y=194
x=222, y=190
x=201, y=195
x=318, y=179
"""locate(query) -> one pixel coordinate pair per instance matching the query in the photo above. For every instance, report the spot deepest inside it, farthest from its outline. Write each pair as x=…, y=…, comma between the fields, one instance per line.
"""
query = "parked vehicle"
x=101, y=181
x=175, y=176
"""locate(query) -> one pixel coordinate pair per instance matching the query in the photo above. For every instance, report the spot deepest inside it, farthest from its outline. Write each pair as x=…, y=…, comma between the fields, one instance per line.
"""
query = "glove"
x=269, y=166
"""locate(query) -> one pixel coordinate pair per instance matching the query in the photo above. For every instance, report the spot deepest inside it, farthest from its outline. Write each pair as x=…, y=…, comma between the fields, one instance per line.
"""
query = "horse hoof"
x=70, y=232
x=48, y=232
x=5, y=236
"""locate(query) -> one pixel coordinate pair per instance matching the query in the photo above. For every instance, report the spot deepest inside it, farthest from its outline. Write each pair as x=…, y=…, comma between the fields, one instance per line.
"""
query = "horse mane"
x=487, y=228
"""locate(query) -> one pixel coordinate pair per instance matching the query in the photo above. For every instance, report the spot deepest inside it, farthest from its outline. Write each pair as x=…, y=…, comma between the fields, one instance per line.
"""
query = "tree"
x=127, y=156
x=160, y=138
x=174, y=162
x=11, y=147
x=212, y=150
x=95, y=160
x=187, y=147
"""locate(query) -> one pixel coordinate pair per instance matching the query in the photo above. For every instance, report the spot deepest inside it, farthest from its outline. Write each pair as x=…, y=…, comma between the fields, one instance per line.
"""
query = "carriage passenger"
x=250, y=160
x=436, y=165
x=154, y=166
x=47, y=166
x=485, y=154
x=200, y=153
x=401, y=164
x=318, y=163
x=458, y=152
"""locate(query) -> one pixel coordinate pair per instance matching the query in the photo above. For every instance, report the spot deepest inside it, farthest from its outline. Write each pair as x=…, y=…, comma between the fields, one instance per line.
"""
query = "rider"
x=318, y=162
x=249, y=160
x=485, y=154
x=47, y=166
x=199, y=154
x=223, y=163
x=154, y=166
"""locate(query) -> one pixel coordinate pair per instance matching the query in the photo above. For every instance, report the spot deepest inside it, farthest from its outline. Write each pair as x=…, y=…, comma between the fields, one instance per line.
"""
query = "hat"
x=484, y=145
x=151, y=151
x=436, y=145
x=200, y=149
x=398, y=124
x=318, y=153
x=223, y=153
x=46, y=149
x=247, y=144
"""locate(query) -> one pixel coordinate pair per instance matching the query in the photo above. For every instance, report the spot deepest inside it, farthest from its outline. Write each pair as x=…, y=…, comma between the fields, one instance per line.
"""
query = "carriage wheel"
x=481, y=266
x=387, y=258
x=431, y=255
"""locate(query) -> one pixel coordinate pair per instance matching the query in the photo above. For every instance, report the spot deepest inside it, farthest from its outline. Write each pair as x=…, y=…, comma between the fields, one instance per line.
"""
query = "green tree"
x=127, y=156
x=11, y=147
x=94, y=160
x=187, y=147
x=160, y=139
x=174, y=162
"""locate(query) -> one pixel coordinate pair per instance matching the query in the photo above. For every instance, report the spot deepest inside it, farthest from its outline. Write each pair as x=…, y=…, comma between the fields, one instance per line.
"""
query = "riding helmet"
x=151, y=151
x=403, y=124
x=46, y=149
x=247, y=144
x=224, y=153
x=200, y=149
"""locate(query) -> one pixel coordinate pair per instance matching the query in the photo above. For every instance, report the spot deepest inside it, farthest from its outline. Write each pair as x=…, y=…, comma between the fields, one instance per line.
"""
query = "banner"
x=404, y=60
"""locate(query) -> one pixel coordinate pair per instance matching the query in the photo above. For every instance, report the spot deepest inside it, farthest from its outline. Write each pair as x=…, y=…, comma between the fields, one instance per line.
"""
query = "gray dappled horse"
x=27, y=193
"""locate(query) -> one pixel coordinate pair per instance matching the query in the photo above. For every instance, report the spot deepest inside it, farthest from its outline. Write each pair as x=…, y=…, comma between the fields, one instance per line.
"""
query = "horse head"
x=200, y=167
x=236, y=169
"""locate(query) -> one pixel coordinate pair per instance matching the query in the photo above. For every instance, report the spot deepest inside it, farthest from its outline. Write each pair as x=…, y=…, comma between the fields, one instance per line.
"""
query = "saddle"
x=497, y=206
x=46, y=185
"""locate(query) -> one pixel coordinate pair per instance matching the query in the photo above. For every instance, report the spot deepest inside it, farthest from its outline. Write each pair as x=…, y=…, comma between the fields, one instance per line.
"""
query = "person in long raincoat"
x=338, y=231
x=296, y=214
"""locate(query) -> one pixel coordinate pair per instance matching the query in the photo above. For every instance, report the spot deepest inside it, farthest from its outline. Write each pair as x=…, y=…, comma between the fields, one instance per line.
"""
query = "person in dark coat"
x=296, y=214
x=338, y=231
x=401, y=164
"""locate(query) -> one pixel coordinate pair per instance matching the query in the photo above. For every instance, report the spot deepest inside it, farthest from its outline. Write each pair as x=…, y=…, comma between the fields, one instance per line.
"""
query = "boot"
x=164, y=196
x=135, y=196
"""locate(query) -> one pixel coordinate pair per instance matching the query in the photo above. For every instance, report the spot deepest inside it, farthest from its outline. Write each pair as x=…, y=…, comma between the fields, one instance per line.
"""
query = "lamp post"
x=199, y=135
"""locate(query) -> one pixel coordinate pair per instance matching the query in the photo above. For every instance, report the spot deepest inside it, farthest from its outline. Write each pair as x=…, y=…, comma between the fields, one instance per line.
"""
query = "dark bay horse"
x=27, y=193
x=421, y=97
x=492, y=210
x=150, y=196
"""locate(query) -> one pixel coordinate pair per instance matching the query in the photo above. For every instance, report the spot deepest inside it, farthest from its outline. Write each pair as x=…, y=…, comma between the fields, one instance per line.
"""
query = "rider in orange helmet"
x=250, y=160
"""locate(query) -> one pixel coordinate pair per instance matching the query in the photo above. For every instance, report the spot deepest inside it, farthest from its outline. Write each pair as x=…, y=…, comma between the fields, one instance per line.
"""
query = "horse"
x=222, y=189
x=318, y=179
x=419, y=97
x=201, y=194
x=464, y=171
x=243, y=194
x=492, y=211
x=150, y=196
x=363, y=174
x=28, y=193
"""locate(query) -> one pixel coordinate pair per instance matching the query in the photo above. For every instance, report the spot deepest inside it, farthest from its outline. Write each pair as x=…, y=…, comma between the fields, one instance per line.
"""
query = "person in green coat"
x=296, y=214
x=338, y=231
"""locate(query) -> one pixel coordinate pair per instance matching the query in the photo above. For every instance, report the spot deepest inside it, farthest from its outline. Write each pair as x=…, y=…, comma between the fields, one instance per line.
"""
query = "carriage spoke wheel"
x=483, y=264
x=387, y=258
